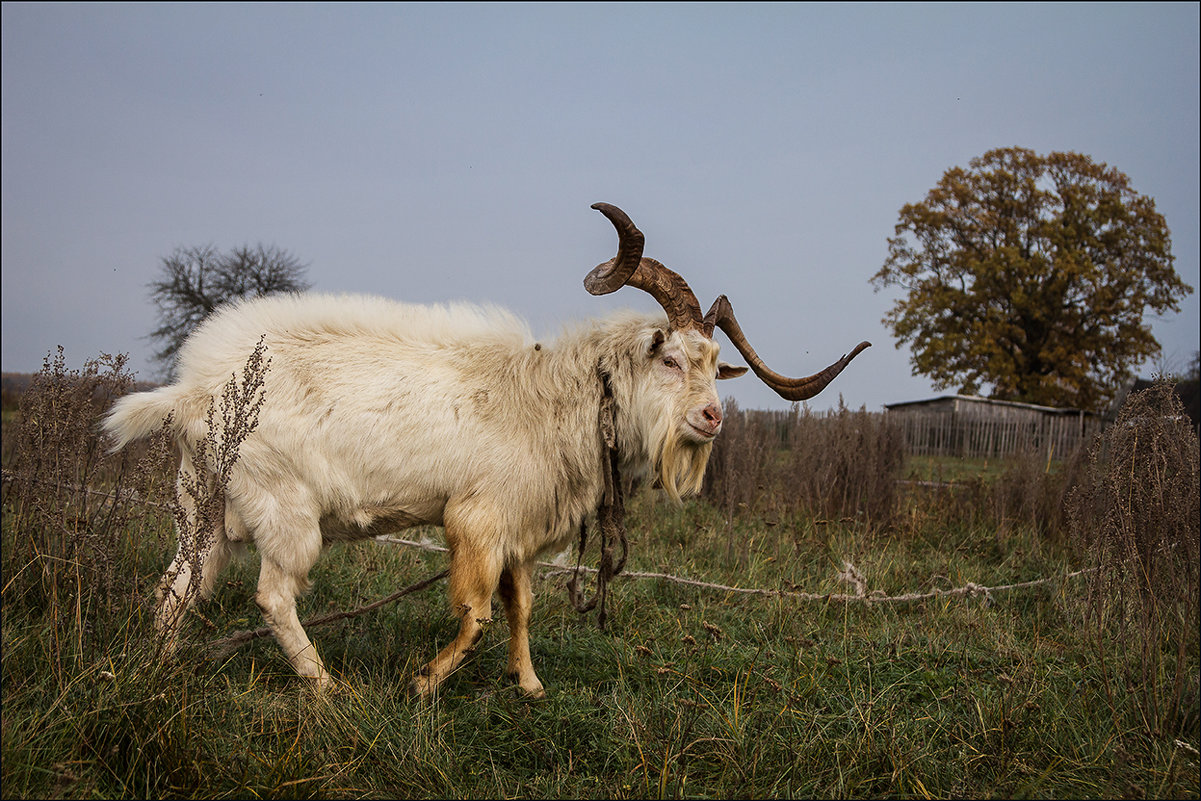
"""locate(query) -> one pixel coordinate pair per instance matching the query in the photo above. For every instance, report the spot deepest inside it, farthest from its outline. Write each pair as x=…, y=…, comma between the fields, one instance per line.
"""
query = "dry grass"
x=834, y=466
x=71, y=504
x=845, y=466
x=1136, y=514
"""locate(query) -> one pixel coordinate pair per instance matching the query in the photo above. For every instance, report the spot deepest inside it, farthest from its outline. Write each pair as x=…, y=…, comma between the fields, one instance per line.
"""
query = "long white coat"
x=379, y=415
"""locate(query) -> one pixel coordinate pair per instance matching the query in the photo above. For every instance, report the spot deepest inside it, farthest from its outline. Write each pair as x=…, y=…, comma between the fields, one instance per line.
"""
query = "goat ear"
x=729, y=371
x=656, y=341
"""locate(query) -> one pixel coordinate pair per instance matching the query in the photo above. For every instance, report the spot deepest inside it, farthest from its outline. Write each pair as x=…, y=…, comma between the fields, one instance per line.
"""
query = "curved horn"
x=630, y=267
x=721, y=315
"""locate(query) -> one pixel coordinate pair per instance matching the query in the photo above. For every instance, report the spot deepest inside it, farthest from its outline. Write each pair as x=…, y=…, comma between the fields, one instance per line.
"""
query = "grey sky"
x=439, y=152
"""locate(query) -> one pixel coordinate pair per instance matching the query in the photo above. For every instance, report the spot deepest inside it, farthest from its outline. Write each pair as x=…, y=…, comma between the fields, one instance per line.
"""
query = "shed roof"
x=984, y=402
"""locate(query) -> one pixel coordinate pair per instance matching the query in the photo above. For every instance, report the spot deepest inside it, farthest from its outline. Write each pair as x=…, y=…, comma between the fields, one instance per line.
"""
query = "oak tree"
x=1033, y=275
x=196, y=280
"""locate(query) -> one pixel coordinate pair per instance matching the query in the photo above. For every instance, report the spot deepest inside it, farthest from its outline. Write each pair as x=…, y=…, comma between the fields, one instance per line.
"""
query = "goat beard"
x=680, y=464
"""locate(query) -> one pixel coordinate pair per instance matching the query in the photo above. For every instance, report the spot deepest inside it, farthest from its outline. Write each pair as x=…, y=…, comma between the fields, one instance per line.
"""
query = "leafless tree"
x=196, y=280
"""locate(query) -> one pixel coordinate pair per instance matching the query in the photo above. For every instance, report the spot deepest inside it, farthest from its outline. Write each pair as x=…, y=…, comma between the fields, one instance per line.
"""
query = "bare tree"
x=196, y=280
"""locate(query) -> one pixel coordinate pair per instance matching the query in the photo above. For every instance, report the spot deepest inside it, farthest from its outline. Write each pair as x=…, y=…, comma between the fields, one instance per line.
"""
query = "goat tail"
x=140, y=414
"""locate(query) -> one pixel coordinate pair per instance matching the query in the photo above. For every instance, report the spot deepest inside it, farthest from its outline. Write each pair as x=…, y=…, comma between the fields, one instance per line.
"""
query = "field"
x=1084, y=684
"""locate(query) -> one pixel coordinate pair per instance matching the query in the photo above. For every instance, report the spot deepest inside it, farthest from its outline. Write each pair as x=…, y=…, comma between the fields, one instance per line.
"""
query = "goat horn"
x=721, y=315
x=630, y=267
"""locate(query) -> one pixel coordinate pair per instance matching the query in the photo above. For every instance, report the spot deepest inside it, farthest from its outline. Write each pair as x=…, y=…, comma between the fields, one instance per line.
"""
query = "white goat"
x=380, y=415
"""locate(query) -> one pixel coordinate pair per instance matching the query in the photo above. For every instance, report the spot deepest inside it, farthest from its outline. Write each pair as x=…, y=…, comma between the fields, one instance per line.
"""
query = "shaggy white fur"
x=380, y=415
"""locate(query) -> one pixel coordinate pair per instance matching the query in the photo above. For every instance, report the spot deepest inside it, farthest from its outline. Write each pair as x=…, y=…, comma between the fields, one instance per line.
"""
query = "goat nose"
x=712, y=413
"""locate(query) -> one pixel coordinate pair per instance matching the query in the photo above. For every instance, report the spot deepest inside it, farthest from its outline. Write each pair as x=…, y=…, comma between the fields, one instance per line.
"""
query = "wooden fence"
x=986, y=437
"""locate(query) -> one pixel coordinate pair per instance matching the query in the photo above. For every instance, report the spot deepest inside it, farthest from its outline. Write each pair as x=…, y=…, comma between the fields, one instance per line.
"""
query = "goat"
x=379, y=416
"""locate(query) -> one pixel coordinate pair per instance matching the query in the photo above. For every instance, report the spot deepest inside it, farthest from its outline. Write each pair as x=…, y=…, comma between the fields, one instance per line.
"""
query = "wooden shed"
x=965, y=425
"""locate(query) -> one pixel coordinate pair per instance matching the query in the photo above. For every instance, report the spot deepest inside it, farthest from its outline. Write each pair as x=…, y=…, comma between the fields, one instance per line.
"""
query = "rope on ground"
x=849, y=574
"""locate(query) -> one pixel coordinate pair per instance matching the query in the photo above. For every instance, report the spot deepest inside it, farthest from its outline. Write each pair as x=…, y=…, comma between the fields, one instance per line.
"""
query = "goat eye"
x=670, y=362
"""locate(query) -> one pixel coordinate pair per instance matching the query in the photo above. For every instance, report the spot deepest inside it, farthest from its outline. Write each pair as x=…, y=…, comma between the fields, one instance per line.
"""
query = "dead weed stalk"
x=1136, y=515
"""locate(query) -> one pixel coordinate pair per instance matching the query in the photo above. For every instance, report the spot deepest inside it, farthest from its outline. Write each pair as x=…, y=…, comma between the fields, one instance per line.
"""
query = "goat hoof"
x=531, y=690
x=422, y=686
x=323, y=684
x=534, y=692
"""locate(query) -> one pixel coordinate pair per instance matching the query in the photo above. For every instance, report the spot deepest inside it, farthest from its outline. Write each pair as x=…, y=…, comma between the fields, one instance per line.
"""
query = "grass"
x=952, y=468
x=691, y=692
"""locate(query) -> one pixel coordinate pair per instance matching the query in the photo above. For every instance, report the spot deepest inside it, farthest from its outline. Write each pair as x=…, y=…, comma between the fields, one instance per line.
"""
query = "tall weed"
x=1137, y=516
x=84, y=536
x=69, y=507
x=841, y=465
x=199, y=508
x=1026, y=492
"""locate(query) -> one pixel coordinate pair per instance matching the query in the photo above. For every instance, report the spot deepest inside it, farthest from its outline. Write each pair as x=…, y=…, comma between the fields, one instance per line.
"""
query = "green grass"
x=691, y=692
x=953, y=468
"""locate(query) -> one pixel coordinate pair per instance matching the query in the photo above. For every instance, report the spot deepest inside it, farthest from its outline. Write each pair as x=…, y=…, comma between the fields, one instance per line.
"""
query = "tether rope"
x=849, y=574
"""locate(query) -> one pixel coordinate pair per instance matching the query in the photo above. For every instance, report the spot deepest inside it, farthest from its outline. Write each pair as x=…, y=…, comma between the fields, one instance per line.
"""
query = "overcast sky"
x=444, y=152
